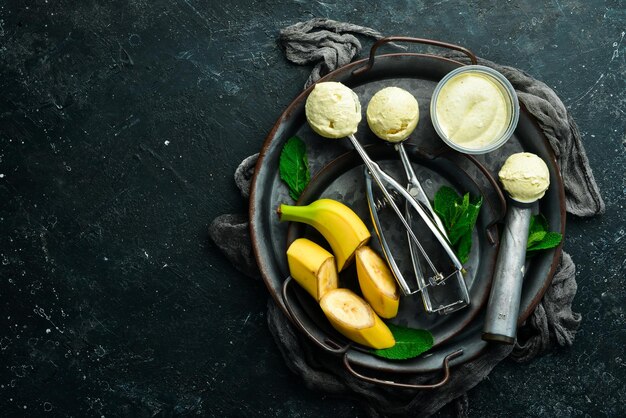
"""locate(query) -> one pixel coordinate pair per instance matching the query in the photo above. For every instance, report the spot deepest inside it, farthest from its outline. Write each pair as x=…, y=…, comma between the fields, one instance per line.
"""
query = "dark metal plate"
x=419, y=75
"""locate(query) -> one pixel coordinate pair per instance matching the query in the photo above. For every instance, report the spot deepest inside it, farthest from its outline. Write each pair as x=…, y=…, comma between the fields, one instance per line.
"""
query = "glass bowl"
x=472, y=100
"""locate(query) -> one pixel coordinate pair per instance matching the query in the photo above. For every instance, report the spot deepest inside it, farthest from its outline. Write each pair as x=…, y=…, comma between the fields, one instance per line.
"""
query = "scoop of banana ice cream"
x=525, y=177
x=392, y=114
x=333, y=110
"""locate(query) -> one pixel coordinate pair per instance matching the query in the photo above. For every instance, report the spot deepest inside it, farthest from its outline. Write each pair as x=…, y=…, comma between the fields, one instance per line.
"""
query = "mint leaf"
x=459, y=216
x=535, y=237
x=538, y=223
x=444, y=205
x=464, y=203
x=464, y=246
x=538, y=236
x=294, y=166
x=551, y=240
x=409, y=343
x=465, y=220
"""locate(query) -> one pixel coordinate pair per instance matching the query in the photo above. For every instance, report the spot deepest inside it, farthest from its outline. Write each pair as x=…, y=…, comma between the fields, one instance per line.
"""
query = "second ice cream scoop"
x=526, y=178
x=393, y=114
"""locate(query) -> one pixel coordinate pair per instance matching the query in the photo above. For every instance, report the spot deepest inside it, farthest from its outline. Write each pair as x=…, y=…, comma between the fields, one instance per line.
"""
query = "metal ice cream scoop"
x=331, y=103
x=525, y=177
x=392, y=115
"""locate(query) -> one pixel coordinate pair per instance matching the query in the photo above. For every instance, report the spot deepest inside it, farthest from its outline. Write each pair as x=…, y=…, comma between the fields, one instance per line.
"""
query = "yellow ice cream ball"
x=525, y=177
x=333, y=110
x=392, y=114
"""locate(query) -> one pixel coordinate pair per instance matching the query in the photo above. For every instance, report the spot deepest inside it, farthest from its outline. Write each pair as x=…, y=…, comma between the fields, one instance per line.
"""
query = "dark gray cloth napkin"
x=329, y=44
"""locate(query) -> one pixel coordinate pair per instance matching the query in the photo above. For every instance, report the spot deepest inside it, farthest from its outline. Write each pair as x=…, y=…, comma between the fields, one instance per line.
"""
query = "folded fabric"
x=329, y=44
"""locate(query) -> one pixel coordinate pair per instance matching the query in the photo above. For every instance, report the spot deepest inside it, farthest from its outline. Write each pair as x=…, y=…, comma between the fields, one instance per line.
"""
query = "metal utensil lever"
x=379, y=175
x=415, y=188
x=452, y=296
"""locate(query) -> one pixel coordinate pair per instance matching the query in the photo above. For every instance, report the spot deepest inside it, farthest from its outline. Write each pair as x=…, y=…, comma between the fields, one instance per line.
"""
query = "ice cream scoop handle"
x=415, y=188
x=506, y=289
x=379, y=175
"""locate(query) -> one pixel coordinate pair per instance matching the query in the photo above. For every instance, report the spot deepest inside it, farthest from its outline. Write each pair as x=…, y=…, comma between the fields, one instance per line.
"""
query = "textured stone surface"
x=121, y=124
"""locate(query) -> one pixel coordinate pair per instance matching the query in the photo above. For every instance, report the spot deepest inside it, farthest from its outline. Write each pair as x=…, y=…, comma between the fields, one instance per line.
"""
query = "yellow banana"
x=312, y=266
x=354, y=318
x=377, y=283
x=342, y=228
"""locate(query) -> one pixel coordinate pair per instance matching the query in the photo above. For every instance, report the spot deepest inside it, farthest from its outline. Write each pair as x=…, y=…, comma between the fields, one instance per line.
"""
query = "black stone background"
x=121, y=124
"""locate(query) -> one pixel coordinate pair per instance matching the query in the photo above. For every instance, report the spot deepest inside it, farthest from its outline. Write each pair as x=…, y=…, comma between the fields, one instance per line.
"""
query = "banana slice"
x=377, y=284
x=354, y=318
x=312, y=267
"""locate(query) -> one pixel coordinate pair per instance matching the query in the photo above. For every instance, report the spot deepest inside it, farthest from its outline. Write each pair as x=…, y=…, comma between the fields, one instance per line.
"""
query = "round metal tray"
x=417, y=73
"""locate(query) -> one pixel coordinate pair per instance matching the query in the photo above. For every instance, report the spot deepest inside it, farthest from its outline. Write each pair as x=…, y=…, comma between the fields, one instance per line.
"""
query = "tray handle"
x=443, y=381
x=370, y=63
x=328, y=344
x=335, y=348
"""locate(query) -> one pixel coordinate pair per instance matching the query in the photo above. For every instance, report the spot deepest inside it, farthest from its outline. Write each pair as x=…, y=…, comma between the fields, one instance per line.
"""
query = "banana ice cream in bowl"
x=474, y=109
